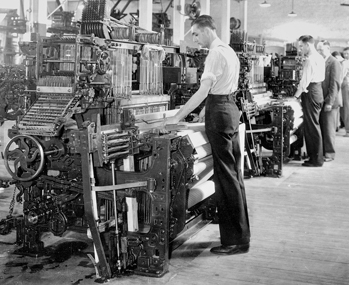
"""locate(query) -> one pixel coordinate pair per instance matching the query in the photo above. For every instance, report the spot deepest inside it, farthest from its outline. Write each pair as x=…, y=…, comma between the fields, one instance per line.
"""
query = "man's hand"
x=170, y=121
x=202, y=115
x=327, y=107
x=298, y=94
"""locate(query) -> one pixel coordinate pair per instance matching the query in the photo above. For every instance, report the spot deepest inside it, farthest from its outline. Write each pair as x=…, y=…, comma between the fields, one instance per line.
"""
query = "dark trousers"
x=311, y=104
x=345, y=108
x=222, y=129
x=328, y=123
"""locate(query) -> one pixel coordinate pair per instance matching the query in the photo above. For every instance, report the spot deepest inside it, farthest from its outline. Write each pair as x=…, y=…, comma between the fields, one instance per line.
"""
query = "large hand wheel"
x=27, y=158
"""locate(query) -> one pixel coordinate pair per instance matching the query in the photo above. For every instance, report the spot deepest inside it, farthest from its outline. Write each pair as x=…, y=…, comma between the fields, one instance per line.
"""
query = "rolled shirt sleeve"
x=213, y=67
x=221, y=70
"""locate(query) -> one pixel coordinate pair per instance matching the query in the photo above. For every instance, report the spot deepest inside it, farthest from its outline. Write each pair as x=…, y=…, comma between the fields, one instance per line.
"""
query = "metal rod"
x=116, y=218
x=125, y=7
x=112, y=150
x=63, y=2
x=169, y=5
x=22, y=16
x=120, y=186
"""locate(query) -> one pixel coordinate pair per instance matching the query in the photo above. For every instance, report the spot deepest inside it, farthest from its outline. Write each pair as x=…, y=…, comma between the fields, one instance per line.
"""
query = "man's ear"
x=208, y=31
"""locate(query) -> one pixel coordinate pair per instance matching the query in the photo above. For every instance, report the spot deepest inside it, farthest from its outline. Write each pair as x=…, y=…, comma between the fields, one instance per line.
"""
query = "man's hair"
x=347, y=48
x=306, y=39
x=336, y=53
x=204, y=21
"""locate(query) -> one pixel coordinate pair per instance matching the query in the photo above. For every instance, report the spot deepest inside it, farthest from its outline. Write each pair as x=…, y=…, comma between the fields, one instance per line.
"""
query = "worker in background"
x=310, y=92
x=331, y=89
x=222, y=118
x=345, y=91
x=339, y=57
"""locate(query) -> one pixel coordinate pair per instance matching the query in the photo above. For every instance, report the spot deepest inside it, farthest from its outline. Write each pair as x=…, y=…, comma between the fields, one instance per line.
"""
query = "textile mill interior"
x=96, y=187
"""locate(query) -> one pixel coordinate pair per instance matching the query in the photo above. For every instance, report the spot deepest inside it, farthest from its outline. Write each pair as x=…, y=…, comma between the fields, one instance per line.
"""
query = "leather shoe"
x=327, y=159
x=308, y=164
x=231, y=249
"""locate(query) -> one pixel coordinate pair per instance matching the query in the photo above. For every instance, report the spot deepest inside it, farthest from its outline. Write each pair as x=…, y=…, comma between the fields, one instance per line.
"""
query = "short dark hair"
x=336, y=53
x=204, y=21
x=306, y=39
x=347, y=48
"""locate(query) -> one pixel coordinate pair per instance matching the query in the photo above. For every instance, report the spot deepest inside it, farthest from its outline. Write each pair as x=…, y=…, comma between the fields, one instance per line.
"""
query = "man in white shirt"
x=331, y=88
x=222, y=117
x=310, y=90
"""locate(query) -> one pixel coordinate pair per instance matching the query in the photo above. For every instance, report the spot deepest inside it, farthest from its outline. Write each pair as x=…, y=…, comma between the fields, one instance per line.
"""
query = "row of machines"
x=272, y=116
x=90, y=154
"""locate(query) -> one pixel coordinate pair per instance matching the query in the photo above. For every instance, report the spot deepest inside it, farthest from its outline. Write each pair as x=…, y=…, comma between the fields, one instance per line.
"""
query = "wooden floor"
x=300, y=235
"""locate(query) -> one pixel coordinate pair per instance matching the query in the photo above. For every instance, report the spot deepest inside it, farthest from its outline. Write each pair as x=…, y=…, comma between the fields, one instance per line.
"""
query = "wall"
x=323, y=19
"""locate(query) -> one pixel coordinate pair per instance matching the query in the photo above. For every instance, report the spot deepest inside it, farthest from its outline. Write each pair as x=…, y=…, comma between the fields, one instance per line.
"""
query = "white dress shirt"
x=313, y=71
x=222, y=66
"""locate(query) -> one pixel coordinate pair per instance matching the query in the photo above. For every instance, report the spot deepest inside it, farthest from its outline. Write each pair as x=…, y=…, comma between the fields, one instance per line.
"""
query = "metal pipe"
x=21, y=15
x=116, y=218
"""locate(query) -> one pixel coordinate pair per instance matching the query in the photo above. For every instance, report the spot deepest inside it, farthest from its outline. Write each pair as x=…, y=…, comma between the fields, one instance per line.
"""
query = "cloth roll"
x=200, y=192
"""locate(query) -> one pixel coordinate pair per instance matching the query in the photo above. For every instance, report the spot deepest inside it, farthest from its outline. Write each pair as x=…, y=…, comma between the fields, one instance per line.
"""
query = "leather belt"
x=226, y=97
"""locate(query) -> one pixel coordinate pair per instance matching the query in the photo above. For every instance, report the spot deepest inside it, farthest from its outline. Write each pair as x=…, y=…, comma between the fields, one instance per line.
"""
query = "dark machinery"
x=10, y=28
x=273, y=119
x=284, y=83
x=14, y=98
x=85, y=156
